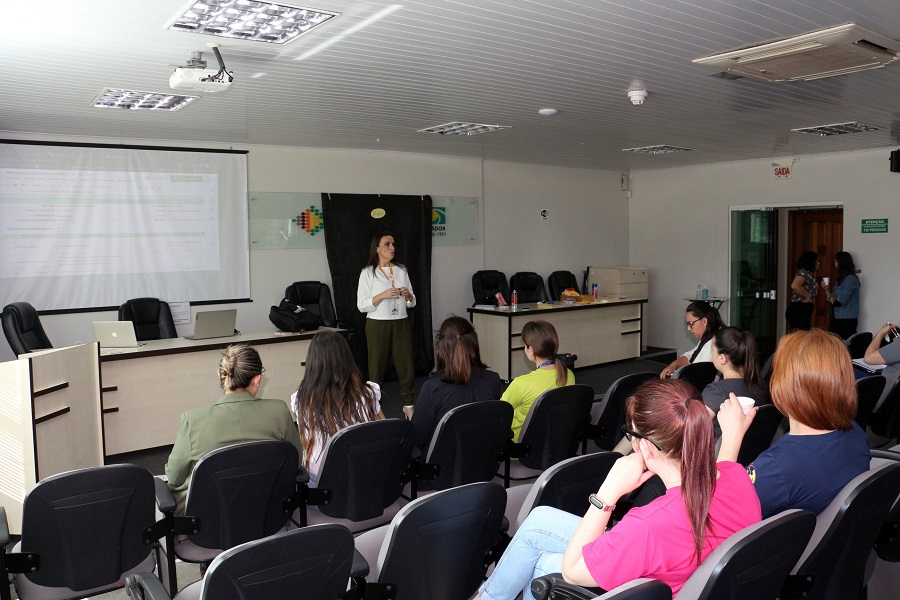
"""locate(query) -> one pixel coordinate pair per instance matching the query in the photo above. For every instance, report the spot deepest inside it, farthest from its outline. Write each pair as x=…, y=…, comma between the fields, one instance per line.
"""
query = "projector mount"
x=222, y=74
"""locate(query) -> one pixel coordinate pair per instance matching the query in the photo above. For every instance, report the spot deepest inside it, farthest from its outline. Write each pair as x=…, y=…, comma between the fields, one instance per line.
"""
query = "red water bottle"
x=515, y=300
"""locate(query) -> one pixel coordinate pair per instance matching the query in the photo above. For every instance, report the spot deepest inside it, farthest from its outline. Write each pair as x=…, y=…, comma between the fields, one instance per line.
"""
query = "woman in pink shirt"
x=705, y=502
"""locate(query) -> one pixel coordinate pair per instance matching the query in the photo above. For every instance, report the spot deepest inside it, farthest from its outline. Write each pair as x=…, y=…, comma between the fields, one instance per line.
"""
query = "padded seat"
x=315, y=297
x=23, y=329
x=530, y=287
x=152, y=318
x=559, y=281
x=486, y=285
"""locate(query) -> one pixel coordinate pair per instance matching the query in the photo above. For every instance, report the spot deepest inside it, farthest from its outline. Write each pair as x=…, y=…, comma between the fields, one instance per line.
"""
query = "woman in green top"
x=541, y=345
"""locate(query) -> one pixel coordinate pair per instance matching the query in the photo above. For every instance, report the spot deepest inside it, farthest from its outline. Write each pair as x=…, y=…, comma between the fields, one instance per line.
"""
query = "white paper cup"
x=746, y=403
x=826, y=281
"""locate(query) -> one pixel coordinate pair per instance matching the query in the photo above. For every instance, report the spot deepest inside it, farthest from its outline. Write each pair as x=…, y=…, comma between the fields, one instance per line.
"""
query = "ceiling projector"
x=198, y=80
x=195, y=77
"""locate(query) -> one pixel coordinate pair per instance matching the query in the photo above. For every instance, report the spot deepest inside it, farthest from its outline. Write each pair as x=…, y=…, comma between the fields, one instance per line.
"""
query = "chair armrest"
x=165, y=499
x=542, y=586
x=302, y=476
x=4, y=529
x=360, y=566
x=517, y=450
x=888, y=454
x=145, y=585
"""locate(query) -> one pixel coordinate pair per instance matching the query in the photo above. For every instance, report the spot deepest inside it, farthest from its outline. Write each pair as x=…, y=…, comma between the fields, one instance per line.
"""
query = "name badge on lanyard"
x=395, y=305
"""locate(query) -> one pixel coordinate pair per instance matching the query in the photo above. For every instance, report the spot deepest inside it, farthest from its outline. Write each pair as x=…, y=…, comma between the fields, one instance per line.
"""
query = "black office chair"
x=551, y=432
x=467, y=447
x=559, y=281
x=486, y=285
x=82, y=534
x=698, y=374
x=833, y=566
x=868, y=392
x=760, y=434
x=315, y=297
x=610, y=411
x=22, y=328
x=316, y=560
x=884, y=422
x=361, y=476
x=637, y=589
x=152, y=318
x=238, y=493
x=749, y=565
x=529, y=285
x=858, y=342
x=436, y=547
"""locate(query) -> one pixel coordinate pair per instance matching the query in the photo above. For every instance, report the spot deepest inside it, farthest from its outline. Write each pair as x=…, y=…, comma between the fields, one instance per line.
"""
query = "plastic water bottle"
x=704, y=295
x=515, y=300
x=699, y=292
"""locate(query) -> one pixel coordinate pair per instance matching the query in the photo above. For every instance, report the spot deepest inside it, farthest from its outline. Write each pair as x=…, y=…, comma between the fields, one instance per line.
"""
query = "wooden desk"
x=146, y=389
x=598, y=333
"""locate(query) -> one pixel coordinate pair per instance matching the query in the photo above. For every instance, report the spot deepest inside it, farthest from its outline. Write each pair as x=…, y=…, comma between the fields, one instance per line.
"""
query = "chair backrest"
x=152, y=318
x=468, y=443
x=765, y=373
x=613, y=415
x=554, y=587
x=23, y=329
x=858, y=342
x=435, y=546
x=845, y=534
x=238, y=492
x=554, y=423
x=885, y=419
x=760, y=434
x=698, y=374
x=888, y=545
x=486, y=284
x=86, y=525
x=361, y=465
x=315, y=297
x=314, y=559
x=754, y=562
x=559, y=281
x=567, y=484
x=529, y=285
x=868, y=392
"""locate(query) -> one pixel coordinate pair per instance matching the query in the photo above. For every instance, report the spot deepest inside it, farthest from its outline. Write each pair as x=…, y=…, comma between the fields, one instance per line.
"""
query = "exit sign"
x=874, y=226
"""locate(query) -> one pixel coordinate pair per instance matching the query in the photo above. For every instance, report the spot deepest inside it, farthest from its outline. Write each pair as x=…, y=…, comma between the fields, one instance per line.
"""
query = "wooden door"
x=823, y=232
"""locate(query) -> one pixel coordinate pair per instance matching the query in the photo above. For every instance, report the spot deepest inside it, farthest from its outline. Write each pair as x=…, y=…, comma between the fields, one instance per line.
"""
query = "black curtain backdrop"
x=350, y=222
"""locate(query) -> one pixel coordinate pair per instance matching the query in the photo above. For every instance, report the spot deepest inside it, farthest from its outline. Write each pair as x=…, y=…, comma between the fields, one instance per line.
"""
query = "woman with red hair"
x=705, y=502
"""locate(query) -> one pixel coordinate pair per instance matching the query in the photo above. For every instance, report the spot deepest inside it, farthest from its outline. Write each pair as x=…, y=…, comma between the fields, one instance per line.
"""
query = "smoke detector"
x=637, y=97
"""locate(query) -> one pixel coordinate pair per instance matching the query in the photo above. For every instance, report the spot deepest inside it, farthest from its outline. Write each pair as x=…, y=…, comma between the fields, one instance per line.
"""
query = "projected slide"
x=104, y=223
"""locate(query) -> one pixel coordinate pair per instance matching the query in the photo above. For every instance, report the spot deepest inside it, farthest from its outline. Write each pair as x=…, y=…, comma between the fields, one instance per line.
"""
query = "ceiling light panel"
x=250, y=20
x=662, y=149
x=461, y=128
x=133, y=100
x=837, y=128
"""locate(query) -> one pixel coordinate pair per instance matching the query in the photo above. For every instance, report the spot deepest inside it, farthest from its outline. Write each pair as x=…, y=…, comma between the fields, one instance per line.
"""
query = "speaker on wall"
x=895, y=161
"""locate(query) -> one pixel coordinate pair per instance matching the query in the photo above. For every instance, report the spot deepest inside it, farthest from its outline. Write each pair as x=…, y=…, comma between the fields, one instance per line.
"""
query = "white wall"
x=587, y=225
x=679, y=227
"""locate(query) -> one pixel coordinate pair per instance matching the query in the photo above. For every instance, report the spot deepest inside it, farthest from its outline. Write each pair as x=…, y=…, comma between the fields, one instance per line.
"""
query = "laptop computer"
x=115, y=334
x=213, y=324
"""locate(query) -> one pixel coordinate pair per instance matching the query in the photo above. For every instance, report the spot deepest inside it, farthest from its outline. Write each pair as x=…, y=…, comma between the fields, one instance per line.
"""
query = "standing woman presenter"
x=384, y=294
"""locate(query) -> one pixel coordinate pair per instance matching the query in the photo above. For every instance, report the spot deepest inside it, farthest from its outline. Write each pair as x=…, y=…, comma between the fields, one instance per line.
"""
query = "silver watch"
x=593, y=499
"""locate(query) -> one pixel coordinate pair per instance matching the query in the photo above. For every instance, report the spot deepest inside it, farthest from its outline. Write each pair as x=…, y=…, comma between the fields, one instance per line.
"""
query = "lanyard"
x=546, y=364
x=391, y=277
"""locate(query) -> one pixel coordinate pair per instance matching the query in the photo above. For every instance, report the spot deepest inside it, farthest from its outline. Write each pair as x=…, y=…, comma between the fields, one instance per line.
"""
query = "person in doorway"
x=804, y=289
x=844, y=298
x=384, y=294
x=702, y=321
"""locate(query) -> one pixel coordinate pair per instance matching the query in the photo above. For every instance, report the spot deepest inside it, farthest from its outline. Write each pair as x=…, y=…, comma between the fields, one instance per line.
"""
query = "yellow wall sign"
x=377, y=213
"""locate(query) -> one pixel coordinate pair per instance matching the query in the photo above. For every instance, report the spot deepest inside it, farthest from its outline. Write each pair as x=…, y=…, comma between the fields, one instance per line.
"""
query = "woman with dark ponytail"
x=541, y=345
x=702, y=321
x=734, y=355
x=705, y=502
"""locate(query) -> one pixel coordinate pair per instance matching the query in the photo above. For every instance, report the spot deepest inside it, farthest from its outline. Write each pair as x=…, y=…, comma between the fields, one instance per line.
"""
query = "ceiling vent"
x=834, y=51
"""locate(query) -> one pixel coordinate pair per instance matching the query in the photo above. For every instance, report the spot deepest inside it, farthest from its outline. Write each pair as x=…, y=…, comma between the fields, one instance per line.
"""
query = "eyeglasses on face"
x=690, y=324
x=630, y=435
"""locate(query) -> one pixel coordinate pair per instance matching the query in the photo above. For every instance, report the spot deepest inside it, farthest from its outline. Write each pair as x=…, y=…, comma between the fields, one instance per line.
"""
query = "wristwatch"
x=593, y=499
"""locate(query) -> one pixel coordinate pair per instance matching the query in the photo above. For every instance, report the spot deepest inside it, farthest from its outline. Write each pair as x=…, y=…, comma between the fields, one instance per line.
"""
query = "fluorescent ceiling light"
x=662, y=149
x=249, y=20
x=460, y=128
x=837, y=128
x=132, y=100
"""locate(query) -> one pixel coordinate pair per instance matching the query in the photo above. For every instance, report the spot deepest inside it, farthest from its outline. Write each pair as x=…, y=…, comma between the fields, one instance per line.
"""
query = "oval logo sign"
x=377, y=213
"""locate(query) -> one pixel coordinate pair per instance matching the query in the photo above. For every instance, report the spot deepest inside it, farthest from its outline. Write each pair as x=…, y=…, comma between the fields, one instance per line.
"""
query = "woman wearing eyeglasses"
x=705, y=502
x=702, y=321
x=238, y=416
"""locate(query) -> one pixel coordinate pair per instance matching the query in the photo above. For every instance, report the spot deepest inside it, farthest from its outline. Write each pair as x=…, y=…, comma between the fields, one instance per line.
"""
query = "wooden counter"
x=599, y=332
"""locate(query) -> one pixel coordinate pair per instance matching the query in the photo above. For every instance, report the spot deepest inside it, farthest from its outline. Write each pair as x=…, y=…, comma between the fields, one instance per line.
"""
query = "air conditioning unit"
x=826, y=53
x=193, y=79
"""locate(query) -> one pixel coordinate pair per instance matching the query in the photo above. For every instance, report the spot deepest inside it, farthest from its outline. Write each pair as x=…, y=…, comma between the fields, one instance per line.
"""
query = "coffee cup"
x=826, y=281
x=746, y=403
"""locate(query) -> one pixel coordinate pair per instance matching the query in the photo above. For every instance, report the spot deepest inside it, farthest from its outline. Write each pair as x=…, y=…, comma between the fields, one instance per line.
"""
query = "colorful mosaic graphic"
x=310, y=220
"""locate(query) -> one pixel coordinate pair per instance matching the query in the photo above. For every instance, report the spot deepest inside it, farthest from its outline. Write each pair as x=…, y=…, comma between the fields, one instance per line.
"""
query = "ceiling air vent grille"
x=835, y=51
